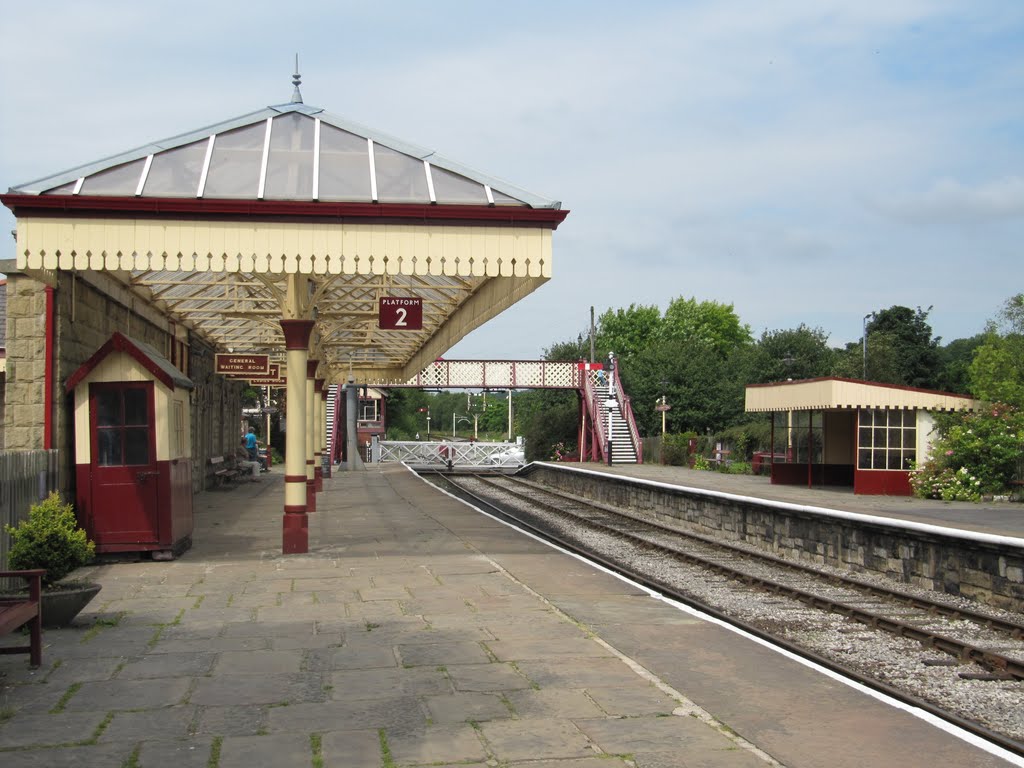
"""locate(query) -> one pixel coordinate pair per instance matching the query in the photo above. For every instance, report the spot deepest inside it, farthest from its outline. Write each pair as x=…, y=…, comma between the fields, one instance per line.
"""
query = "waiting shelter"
x=835, y=431
x=341, y=254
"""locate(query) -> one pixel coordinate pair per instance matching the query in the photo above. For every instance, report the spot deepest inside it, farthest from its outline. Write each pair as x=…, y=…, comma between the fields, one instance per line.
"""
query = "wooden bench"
x=226, y=469
x=18, y=610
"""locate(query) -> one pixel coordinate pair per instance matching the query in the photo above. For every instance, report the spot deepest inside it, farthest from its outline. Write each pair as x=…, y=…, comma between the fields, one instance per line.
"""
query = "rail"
x=627, y=414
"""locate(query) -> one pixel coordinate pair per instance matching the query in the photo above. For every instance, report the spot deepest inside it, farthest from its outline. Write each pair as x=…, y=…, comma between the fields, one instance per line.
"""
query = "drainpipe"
x=48, y=376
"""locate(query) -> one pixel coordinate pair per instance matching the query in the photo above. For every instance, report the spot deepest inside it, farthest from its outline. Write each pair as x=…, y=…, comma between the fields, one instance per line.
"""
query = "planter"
x=62, y=603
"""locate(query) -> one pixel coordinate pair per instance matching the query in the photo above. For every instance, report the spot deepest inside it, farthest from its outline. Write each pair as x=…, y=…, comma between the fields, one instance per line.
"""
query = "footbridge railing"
x=496, y=374
x=446, y=454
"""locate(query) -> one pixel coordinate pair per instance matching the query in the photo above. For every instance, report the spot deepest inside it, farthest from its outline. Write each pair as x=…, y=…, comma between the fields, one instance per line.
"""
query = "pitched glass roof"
x=290, y=152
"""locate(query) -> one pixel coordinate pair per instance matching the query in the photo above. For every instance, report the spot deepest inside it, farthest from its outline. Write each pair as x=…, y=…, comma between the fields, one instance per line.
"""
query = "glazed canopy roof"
x=208, y=225
x=288, y=152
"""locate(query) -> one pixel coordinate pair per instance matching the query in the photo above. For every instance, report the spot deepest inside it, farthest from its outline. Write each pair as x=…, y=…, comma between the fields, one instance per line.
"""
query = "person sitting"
x=242, y=460
x=252, y=445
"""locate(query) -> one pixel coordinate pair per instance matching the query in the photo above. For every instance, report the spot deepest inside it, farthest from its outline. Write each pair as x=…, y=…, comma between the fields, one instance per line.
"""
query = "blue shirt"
x=250, y=441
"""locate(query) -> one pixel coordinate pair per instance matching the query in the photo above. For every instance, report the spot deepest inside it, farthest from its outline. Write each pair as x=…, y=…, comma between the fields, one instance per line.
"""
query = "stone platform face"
x=416, y=632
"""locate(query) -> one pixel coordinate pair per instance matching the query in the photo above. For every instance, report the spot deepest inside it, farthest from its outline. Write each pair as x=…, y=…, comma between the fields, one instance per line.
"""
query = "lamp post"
x=460, y=420
x=868, y=316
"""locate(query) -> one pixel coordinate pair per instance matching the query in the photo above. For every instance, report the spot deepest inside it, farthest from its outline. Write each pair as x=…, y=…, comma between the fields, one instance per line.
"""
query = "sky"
x=806, y=161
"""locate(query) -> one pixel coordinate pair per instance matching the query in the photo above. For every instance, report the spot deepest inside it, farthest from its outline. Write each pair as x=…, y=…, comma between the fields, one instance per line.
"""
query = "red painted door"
x=125, y=480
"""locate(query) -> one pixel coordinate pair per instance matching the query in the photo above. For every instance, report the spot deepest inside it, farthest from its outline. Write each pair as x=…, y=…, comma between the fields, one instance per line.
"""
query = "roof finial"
x=296, y=79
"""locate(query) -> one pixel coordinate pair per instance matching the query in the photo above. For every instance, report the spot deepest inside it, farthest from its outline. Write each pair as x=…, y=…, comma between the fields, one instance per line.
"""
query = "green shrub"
x=50, y=538
x=701, y=462
x=735, y=468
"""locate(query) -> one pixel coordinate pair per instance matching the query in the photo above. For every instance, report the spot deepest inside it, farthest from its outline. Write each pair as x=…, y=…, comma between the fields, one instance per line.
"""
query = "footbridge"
x=608, y=429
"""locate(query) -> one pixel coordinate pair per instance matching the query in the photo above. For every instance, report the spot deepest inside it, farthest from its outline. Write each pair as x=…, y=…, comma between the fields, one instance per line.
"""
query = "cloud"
x=948, y=201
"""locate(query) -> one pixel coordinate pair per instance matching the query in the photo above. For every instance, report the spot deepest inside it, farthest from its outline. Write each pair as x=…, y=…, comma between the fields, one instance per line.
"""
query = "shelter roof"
x=147, y=357
x=834, y=393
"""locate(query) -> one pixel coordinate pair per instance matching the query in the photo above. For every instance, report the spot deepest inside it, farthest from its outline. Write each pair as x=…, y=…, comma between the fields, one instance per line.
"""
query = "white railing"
x=459, y=454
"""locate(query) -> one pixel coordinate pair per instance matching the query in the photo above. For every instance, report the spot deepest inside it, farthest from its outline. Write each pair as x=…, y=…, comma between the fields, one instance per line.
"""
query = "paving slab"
x=419, y=626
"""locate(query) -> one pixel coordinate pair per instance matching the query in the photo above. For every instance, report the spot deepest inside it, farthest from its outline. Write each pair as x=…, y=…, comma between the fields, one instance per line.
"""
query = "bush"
x=50, y=538
x=977, y=453
x=676, y=448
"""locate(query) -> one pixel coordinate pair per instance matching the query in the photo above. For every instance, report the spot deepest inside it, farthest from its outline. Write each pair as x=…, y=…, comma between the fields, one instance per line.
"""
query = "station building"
x=280, y=233
x=845, y=432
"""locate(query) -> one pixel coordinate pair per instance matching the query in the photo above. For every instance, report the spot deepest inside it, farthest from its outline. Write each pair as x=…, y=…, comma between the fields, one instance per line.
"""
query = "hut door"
x=125, y=480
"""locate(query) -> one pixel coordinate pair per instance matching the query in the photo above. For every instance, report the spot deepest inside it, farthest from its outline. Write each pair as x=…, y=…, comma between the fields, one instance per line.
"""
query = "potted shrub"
x=51, y=539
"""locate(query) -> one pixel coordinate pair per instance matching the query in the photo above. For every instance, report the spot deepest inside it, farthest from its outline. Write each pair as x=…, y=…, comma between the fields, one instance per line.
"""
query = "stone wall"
x=988, y=573
x=90, y=307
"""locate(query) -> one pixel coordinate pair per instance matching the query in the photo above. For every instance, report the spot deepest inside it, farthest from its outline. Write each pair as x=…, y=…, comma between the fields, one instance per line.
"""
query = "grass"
x=71, y=691
x=316, y=745
x=214, y=759
x=387, y=760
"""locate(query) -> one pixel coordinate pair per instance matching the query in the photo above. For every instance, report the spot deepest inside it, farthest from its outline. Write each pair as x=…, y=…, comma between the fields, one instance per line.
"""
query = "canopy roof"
x=835, y=393
x=286, y=152
x=208, y=226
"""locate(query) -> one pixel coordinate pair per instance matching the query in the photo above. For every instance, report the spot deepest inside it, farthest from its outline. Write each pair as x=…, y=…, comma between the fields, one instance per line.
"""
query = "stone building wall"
x=90, y=307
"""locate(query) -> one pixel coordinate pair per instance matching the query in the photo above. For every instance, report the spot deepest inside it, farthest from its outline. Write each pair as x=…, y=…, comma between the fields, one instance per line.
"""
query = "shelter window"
x=122, y=426
x=121, y=180
x=886, y=439
x=176, y=172
x=368, y=410
x=798, y=437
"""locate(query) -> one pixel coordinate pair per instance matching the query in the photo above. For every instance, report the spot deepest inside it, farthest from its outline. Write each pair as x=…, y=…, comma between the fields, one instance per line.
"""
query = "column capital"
x=318, y=385
x=311, y=366
x=296, y=333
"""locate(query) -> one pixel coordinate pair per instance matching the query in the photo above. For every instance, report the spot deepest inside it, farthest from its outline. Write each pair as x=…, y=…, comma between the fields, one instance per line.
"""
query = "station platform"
x=1002, y=518
x=416, y=632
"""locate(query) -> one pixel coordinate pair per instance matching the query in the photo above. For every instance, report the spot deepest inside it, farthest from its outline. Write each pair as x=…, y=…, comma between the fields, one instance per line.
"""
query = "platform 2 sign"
x=233, y=364
x=397, y=313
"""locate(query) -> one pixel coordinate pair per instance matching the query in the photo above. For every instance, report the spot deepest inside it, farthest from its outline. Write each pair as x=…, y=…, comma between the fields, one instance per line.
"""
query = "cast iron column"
x=295, y=529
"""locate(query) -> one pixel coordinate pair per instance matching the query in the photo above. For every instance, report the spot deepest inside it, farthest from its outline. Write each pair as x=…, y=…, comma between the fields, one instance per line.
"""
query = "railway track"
x=962, y=665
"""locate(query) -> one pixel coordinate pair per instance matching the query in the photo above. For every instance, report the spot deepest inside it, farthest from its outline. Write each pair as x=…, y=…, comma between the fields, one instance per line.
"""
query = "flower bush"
x=932, y=482
x=701, y=462
x=559, y=452
x=976, y=453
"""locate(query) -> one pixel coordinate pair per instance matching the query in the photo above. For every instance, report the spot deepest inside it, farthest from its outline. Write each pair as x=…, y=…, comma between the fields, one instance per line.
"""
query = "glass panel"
x=108, y=408
x=136, y=446
x=344, y=165
x=452, y=188
x=63, y=189
x=290, y=165
x=878, y=459
x=881, y=434
x=503, y=199
x=176, y=172
x=864, y=458
x=908, y=458
x=109, y=447
x=121, y=180
x=865, y=437
x=235, y=165
x=867, y=418
x=135, y=407
x=400, y=178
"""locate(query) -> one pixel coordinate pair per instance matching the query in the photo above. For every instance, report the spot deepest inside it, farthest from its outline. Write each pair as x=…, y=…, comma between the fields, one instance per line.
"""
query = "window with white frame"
x=886, y=439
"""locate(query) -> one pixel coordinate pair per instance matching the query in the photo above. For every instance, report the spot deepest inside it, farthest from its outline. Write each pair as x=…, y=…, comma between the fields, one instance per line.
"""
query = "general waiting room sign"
x=240, y=364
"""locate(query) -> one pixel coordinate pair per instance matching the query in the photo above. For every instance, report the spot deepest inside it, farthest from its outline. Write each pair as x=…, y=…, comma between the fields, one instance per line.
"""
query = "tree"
x=715, y=326
x=900, y=348
x=997, y=371
x=956, y=358
x=627, y=331
x=797, y=353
